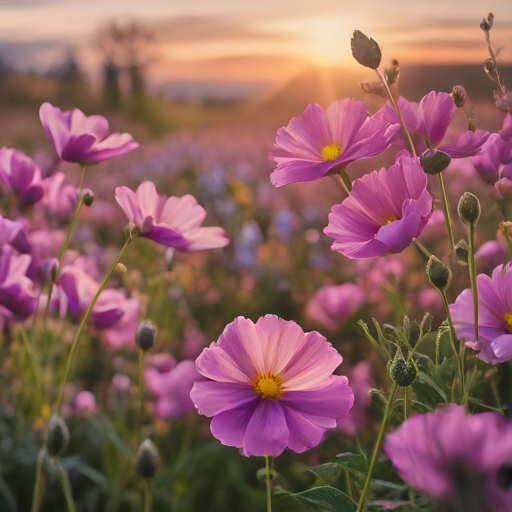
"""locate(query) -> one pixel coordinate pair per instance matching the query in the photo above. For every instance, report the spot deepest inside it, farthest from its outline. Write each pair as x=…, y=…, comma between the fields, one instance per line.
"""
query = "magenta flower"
x=437, y=453
x=81, y=139
x=494, y=316
x=59, y=198
x=9, y=230
x=172, y=389
x=85, y=403
x=20, y=176
x=174, y=221
x=322, y=142
x=332, y=305
x=18, y=299
x=384, y=213
x=271, y=387
x=428, y=125
x=495, y=162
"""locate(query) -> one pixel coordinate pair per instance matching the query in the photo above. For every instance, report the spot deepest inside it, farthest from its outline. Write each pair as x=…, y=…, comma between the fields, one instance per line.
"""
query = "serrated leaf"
x=326, y=499
x=328, y=473
x=352, y=462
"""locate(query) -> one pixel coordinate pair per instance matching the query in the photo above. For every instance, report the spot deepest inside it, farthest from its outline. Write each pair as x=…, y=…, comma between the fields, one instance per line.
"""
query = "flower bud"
x=373, y=88
x=393, y=73
x=506, y=230
x=487, y=23
x=434, y=161
x=57, y=436
x=462, y=252
x=473, y=121
x=48, y=270
x=365, y=50
x=491, y=68
x=438, y=273
x=459, y=96
x=469, y=209
x=131, y=230
x=402, y=372
x=88, y=198
x=503, y=100
x=121, y=268
x=146, y=335
x=147, y=460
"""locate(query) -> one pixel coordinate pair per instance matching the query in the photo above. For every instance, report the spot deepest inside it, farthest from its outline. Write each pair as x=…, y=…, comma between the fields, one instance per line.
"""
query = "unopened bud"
x=147, y=460
x=48, y=270
x=88, y=197
x=434, y=161
x=57, y=439
x=462, y=252
x=503, y=190
x=402, y=372
x=473, y=121
x=438, y=273
x=491, y=69
x=393, y=73
x=365, y=50
x=503, y=100
x=487, y=23
x=506, y=230
x=459, y=96
x=469, y=209
x=121, y=268
x=375, y=88
x=131, y=230
x=145, y=336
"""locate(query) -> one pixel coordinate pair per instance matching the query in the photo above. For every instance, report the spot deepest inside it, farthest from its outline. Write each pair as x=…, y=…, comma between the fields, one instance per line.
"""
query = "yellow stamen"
x=508, y=318
x=269, y=386
x=390, y=219
x=330, y=153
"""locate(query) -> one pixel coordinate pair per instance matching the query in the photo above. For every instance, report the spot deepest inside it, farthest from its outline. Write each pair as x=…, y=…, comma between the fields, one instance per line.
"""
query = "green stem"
x=148, y=497
x=366, y=490
x=82, y=325
x=472, y=276
x=32, y=358
x=397, y=110
x=422, y=249
x=141, y=363
x=407, y=402
x=454, y=341
x=269, y=487
x=65, y=244
x=447, y=214
x=39, y=484
x=66, y=486
x=345, y=181
x=348, y=484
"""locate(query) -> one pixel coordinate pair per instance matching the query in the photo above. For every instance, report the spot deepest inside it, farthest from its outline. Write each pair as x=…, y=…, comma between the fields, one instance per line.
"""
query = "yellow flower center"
x=390, y=219
x=508, y=318
x=330, y=153
x=269, y=386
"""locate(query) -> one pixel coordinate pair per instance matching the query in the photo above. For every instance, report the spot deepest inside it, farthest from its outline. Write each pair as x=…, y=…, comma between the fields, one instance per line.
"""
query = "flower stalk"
x=447, y=213
x=472, y=276
x=268, y=483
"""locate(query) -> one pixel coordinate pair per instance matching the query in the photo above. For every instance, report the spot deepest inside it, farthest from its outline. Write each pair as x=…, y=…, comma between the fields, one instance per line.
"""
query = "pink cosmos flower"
x=428, y=123
x=322, y=142
x=332, y=305
x=9, y=230
x=172, y=389
x=270, y=386
x=174, y=221
x=450, y=453
x=81, y=139
x=20, y=177
x=59, y=198
x=494, y=316
x=85, y=403
x=384, y=213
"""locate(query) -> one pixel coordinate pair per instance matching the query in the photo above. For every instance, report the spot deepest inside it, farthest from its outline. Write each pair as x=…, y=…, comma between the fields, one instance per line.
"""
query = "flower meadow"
x=180, y=332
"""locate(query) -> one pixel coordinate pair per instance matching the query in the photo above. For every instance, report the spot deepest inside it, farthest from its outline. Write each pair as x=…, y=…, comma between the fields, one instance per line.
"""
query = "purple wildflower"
x=384, y=213
x=270, y=386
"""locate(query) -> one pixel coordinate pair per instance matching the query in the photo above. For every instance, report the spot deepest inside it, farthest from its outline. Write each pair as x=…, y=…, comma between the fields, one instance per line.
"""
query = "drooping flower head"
x=172, y=388
x=81, y=139
x=174, y=221
x=428, y=123
x=20, y=176
x=322, y=142
x=450, y=453
x=332, y=305
x=384, y=213
x=270, y=386
x=494, y=316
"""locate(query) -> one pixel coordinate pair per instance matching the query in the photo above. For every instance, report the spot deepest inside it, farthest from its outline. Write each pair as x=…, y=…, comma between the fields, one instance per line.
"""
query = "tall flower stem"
x=472, y=276
x=82, y=325
x=345, y=181
x=269, y=487
x=407, y=402
x=66, y=486
x=65, y=244
x=141, y=364
x=148, y=497
x=37, y=496
x=447, y=214
x=395, y=105
x=376, y=451
x=456, y=351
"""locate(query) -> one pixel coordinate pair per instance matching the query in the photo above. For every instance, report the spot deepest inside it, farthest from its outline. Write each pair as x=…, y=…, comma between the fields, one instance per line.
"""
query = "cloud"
x=37, y=56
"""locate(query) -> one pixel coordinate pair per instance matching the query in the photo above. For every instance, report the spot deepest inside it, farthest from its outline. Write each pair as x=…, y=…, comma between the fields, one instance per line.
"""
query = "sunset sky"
x=234, y=39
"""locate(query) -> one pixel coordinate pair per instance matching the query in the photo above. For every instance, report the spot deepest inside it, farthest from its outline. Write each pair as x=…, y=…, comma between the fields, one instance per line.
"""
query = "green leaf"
x=423, y=377
x=327, y=474
x=357, y=464
x=326, y=499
